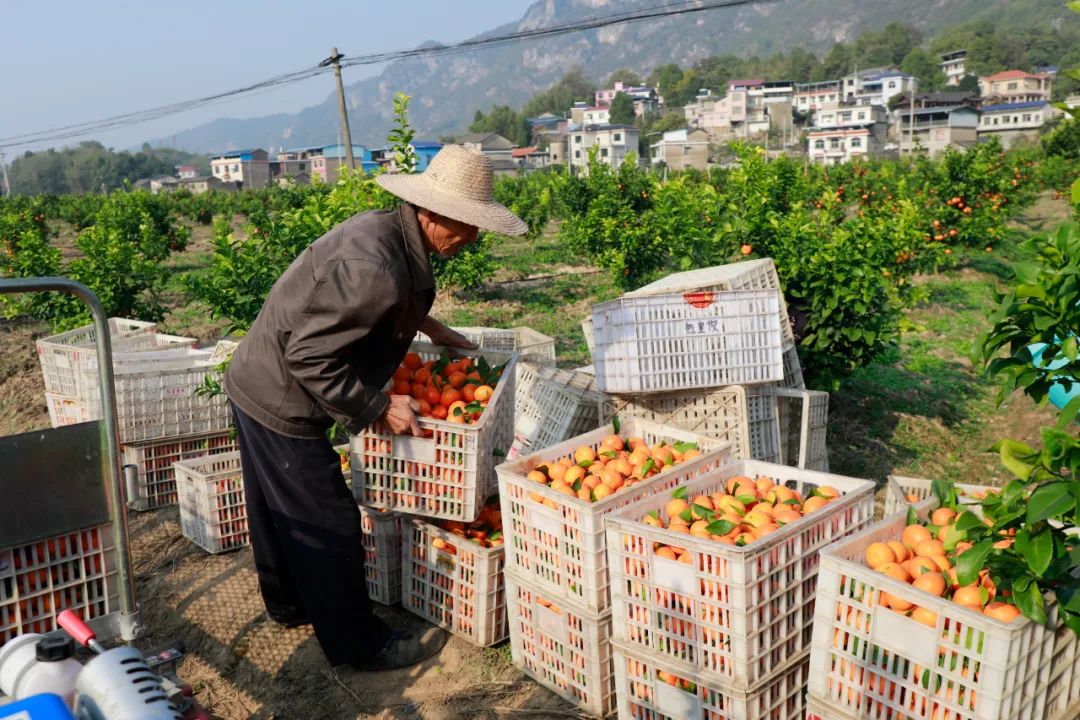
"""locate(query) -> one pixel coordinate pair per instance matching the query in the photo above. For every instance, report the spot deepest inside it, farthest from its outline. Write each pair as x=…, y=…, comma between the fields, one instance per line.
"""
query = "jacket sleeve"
x=349, y=301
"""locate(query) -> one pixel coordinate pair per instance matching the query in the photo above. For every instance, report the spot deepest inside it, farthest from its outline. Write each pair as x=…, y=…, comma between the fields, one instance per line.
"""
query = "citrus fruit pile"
x=750, y=509
x=457, y=391
x=485, y=531
x=592, y=474
x=925, y=556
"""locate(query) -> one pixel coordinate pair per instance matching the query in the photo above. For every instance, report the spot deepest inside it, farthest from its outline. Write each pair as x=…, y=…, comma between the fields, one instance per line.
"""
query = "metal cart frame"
x=90, y=489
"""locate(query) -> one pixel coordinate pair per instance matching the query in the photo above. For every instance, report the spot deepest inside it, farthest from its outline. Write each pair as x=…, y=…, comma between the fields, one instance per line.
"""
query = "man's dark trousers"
x=305, y=533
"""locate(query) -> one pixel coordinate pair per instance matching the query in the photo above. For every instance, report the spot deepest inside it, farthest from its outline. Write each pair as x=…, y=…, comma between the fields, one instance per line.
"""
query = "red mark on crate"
x=699, y=298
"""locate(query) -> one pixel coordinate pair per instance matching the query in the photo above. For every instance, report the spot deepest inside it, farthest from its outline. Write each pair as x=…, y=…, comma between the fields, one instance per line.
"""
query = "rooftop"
x=953, y=54
x=1011, y=75
x=522, y=152
x=1015, y=106
x=235, y=153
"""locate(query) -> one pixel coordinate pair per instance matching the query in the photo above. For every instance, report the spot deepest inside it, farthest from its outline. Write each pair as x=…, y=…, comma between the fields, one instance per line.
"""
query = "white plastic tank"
x=31, y=664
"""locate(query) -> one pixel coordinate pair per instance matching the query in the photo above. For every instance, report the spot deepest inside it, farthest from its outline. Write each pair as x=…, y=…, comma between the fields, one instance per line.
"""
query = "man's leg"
x=316, y=525
x=279, y=593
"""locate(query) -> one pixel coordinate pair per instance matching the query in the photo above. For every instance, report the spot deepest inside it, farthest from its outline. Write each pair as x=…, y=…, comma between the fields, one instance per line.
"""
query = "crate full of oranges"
x=449, y=471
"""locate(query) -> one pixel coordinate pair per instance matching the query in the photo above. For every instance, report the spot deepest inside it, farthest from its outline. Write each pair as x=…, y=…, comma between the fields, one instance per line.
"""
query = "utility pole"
x=7, y=180
x=335, y=60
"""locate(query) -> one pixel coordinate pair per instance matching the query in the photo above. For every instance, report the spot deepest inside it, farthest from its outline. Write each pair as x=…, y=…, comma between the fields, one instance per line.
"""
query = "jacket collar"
x=419, y=261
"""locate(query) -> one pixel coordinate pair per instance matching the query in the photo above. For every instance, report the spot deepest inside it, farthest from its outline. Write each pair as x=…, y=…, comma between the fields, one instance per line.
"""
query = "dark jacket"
x=337, y=323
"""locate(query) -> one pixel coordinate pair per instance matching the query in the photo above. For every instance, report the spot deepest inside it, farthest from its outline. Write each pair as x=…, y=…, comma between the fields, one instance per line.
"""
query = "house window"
x=862, y=116
x=819, y=144
x=618, y=137
x=856, y=142
x=577, y=139
x=235, y=168
x=577, y=153
x=986, y=121
x=1004, y=119
x=686, y=150
x=834, y=143
x=603, y=152
x=995, y=121
x=1012, y=86
x=845, y=117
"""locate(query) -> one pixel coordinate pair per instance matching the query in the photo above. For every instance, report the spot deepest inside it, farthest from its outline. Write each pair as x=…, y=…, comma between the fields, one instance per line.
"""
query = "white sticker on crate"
x=178, y=391
x=552, y=624
x=7, y=565
x=441, y=559
x=676, y=703
x=545, y=520
x=904, y=636
x=526, y=426
x=410, y=447
x=674, y=575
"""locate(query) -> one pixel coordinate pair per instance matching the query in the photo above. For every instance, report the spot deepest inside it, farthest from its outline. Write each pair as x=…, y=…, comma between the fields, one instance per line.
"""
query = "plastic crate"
x=67, y=410
x=528, y=344
x=448, y=476
x=744, y=417
x=73, y=571
x=157, y=394
x=898, y=487
x=458, y=587
x=154, y=459
x=745, y=275
x=869, y=661
x=65, y=357
x=382, y=554
x=213, y=514
x=738, y=612
x=803, y=416
x=643, y=695
x=552, y=406
x=565, y=648
x=659, y=343
x=793, y=376
x=557, y=542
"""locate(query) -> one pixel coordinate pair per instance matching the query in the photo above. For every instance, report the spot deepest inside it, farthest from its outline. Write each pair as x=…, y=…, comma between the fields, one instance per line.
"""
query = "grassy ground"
x=923, y=409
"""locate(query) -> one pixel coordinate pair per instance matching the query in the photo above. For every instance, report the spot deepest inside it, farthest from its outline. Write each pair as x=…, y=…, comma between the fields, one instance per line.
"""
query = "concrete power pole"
x=335, y=60
x=7, y=180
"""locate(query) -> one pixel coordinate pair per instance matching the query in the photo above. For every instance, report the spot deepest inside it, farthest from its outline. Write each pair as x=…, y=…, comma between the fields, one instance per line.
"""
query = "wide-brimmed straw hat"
x=457, y=184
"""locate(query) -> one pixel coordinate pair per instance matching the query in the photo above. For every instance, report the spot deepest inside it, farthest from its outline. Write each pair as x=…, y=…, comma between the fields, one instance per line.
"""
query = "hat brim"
x=420, y=191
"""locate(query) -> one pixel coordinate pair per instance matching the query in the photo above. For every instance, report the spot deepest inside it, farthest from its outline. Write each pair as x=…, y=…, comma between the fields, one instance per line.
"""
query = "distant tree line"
x=91, y=166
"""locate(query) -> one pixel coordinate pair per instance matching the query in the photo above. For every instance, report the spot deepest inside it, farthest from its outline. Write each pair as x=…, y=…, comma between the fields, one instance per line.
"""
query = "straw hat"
x=458, y=185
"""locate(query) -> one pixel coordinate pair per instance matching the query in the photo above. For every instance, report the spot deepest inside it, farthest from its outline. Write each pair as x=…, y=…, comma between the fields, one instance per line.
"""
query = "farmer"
x=336, y=324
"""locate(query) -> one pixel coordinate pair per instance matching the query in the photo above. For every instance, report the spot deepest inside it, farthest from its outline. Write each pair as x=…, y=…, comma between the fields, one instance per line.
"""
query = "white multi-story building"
x=681, y=149
x=703, y=104
x=750, y=108
x=811, y=96
x=877, y=85
x=596, y=116
x=932, y=130
x=646, y=99
x=845, y=131
x=1015, y=86
x=247, y=168
x=612, y=142
x=953, y=65
x=1013, y=122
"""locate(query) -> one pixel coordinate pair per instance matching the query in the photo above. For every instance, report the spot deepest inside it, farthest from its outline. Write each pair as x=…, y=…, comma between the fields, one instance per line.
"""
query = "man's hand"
x=400, y=416
x=442, y=335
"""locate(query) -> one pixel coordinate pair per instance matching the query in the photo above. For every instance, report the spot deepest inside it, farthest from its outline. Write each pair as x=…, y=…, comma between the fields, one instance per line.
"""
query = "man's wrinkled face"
x=445, y=236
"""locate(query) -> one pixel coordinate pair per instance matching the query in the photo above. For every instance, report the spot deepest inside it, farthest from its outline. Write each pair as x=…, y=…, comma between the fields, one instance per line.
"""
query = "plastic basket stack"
x=163, y=417
x=711, y=351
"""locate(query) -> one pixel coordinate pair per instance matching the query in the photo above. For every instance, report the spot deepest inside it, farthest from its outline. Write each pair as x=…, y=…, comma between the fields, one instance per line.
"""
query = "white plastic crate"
x=552, y=406
x=659, y=343
x=557, y=542
x=869, y=661
x=449, y=475
x=64, y=358
x=793, y=376
x=157, y=394
x=745, y=275
x=154, y=459
x=73, y=571
x=381, y=531
x=66, y=410
x=643, y=695
x=528, y=344
x=213, y=514
x=738, y=612
x=745, y=417
x=458, y=586
x=561, y=645
x=803, y=416
x=898, y=488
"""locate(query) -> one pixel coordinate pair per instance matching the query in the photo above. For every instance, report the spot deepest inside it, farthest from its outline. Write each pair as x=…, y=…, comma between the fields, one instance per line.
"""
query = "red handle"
x=75, y=627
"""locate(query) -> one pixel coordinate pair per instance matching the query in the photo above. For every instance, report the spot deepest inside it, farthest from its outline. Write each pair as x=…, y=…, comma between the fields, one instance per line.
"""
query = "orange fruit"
x=727, y=503
x=968, y=595
x=762, y=530
x=744, y=538
x=675, y=508
x=457, y=379
x=915, y=534
x=450, y=396
x=924, y=616
x=484, y=392
x=1003, y=612
x=900, y=550
x=942, y=516
x=926, y=548
x=469, y=393
x=917, y=566
x=735, y=481
x=573, y=474
x=764, y=484
x=402, y=373
x=931, y=582
x=402, y=387
x=786, y=515
x=896, y=572
x=412, y=361
x=756, y=519
x=665, y=552
x=601, y=491
x=612, y=442
x=537, y=476
x=584, y=456
x=813, y=504
x=828, y=491
x=879, y=555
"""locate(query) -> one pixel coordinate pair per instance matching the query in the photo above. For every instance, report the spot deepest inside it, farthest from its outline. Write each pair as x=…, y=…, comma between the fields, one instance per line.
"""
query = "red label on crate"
x=699, y=298
x=813, y=716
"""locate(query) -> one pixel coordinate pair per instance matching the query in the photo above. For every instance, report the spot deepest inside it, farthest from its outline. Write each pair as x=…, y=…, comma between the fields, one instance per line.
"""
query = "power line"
x=591, y=23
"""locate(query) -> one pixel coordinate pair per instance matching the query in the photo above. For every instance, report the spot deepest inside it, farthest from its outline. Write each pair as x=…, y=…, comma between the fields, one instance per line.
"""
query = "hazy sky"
x=69, y=61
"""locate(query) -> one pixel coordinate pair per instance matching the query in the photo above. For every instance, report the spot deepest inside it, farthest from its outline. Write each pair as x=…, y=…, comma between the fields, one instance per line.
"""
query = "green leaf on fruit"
x=686, y=516
x=720, y=527
x=703, y=512
x=912, y=516
x=685, y=446
x=680, y=493
x=972, y=562
x=1048, y=501
x=1037, y=549
x=1029, y=600
x=616, y=425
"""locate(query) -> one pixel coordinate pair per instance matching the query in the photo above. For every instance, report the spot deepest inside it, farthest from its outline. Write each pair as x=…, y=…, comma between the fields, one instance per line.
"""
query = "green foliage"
x=925, y=67
x=401, y=136
x=625, y=76
x=1064, y=140
x=505, y=121
x=529, y=197
x=621, y=111
x=25, y=253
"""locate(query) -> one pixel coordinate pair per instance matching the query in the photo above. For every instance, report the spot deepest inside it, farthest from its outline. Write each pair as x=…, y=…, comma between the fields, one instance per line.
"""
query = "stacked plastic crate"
x=163, y=415
x=691, y=350
x=451, y=553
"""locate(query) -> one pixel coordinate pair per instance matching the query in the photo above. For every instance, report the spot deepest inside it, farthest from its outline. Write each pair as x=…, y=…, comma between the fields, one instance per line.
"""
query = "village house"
x=186, y=171
x=646, y=99
x=547, y=126
x=247, y=168
x=877, y=85
x=495, y=147
x=596, y=116
x=557, y=149
x=703, y=103
x=682, y=149
x=293, y=163
x=326, y=162
x=612, y=142
x=843, y=131
x=953, y=65
x=931, y=130
x=199, y=184
x=530, y=158
x=809, y=97
x=750, y=108
x=1014, y=122
x=1014, y=86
